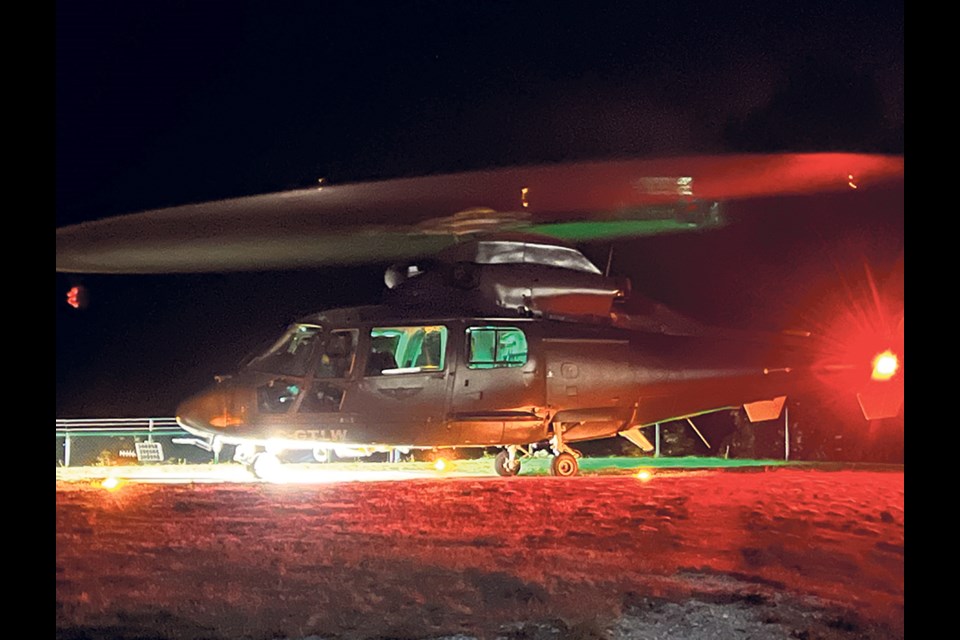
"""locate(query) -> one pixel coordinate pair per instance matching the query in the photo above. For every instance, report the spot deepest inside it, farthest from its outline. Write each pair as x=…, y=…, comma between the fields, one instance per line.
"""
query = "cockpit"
x=313, y=363
x=303, y=354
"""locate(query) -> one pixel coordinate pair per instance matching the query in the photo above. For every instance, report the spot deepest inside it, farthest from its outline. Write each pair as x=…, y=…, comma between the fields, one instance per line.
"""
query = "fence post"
x=66, y=449
x=786, y=433
x=149, y=429
x=656, y=450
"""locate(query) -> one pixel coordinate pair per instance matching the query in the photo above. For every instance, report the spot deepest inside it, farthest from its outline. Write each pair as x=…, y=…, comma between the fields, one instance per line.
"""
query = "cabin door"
x=403, y=391
x=498, y=393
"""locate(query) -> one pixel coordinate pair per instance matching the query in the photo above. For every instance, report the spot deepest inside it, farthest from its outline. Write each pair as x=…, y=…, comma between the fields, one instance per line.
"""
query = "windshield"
x=291, y=355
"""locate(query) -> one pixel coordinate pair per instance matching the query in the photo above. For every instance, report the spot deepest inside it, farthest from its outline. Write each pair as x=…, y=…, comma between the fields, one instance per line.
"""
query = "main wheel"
x=564, y=465
x=265, y=465
x=503, y=466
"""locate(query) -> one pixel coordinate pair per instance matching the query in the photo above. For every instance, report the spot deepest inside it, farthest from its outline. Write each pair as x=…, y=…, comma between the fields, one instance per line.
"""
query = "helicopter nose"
x=216, y=410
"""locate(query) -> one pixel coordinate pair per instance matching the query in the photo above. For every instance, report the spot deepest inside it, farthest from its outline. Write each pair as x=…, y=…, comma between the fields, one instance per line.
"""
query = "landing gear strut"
x=564, y=465
x=564, y=462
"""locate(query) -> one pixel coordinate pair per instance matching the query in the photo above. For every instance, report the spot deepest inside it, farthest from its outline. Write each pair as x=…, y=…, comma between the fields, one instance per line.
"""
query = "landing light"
x=110, y=484
x=440, y=464
x=643, y=475
x=885, y=365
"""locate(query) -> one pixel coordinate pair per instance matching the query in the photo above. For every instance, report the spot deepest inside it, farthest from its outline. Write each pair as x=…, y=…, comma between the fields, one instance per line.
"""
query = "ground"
x=770, y=553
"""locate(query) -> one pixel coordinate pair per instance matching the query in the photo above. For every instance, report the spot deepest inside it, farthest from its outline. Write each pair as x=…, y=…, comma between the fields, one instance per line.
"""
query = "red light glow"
x=225, y=420
x=73, y=297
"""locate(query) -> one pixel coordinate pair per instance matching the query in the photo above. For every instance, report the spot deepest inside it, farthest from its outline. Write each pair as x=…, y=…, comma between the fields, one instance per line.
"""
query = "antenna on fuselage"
x=606, y=272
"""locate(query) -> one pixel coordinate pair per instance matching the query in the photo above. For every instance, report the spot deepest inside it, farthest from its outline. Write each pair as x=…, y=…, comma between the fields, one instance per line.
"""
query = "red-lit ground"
x=777, y=554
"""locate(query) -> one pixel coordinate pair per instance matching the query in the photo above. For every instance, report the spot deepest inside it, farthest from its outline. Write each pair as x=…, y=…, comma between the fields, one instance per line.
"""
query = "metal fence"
x=112, y=441
x=118, y=441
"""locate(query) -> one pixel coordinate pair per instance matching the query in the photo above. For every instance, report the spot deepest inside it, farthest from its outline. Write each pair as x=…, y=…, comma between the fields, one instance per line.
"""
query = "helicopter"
x=495, y=330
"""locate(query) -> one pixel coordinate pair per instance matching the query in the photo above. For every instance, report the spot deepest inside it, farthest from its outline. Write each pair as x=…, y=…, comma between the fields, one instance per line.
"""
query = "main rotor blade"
x=412, y=217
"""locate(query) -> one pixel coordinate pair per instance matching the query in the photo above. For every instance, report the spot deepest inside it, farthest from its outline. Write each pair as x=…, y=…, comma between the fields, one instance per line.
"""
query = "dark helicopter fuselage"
x=507, y=342
x=370, y=377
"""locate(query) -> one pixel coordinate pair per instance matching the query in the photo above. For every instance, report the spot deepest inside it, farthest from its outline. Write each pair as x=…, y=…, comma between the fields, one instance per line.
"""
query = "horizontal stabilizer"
x=880, y=403
x=637, y=438
x=765, y=409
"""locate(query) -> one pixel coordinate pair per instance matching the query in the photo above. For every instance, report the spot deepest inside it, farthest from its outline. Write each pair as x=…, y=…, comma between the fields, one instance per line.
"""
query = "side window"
x=277, y=396
x=337, y=355
x=491, y=347
x=396, y=350
x=323, y=397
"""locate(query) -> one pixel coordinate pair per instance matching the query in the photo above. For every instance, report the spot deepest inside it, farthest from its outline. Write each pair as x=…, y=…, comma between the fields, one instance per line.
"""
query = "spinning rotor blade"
x=412, y=217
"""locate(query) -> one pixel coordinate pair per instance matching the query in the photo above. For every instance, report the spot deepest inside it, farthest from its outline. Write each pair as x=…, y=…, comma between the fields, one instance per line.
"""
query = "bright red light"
x=885, y=365
x=73, y=297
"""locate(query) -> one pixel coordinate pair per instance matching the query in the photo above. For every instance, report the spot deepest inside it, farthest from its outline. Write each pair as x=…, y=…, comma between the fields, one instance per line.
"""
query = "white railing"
x=75, y=425
x=72, y=428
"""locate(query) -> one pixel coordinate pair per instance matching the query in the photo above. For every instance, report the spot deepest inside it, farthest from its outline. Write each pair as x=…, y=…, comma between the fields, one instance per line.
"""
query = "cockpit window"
x=496, y=347
x=337, y=354
x=291, y=354
x=396, y=350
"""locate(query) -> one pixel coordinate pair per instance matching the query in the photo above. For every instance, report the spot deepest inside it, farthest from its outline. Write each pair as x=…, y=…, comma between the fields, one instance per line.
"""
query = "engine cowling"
x=520, y=275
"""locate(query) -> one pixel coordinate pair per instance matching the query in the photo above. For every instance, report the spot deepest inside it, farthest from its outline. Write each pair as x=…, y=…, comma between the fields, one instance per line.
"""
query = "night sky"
x=161, y=104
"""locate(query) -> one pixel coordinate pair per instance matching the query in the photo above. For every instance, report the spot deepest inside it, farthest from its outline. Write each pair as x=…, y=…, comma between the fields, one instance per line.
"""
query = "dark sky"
x=166, y=103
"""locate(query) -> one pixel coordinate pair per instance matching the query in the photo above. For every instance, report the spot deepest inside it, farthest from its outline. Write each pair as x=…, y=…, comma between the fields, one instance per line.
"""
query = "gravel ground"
x=780, y=554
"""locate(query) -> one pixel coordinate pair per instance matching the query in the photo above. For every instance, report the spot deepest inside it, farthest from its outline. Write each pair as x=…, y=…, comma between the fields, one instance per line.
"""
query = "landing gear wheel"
x=564, y=465
x=503, y=466
x=265, y=465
